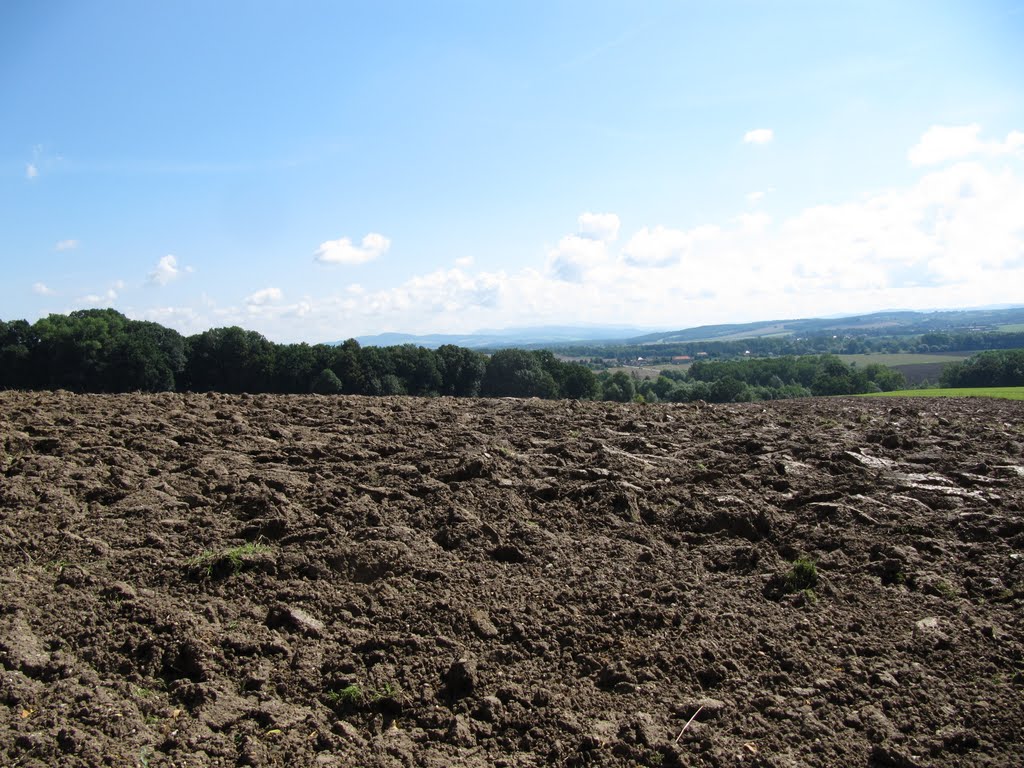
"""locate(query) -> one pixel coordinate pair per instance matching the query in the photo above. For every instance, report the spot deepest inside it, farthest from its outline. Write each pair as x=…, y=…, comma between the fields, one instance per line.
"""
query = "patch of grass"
x=355, y=696
x=1006, y=393
x=802, y=576
x=945, y=589
x=386, y=691
x=229, y=561
x=349, y=696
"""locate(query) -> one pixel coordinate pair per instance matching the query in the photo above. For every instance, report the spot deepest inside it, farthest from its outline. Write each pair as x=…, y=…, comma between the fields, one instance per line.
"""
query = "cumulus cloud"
x=31, y=171
x=263, y=297
x=42, y=289
x=102, y=299
x=599, y=226
x=186, y=320
x=343, y=251
x=942, y=143
x=167, y=270
x=575, y=258
x=66, y=245
x=758, y=136
x=663, y=246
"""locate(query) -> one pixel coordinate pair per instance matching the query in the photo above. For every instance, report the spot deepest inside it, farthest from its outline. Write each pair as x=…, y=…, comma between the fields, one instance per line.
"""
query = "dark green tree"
x=229, y=360
x=516, y=373
x=327, y=383
x=619, y=387
x=461, y=369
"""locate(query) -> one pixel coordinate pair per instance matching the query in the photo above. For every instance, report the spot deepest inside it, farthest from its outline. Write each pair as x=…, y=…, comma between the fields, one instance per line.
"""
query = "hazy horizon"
x=317, y=170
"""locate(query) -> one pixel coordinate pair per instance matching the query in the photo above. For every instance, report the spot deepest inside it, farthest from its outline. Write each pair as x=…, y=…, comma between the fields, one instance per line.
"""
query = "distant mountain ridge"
x=507, y=337
x=895, y=323
x=891, y=322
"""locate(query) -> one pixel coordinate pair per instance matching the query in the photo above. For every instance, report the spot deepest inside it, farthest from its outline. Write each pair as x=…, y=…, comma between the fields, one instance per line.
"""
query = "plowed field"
x=316, y=581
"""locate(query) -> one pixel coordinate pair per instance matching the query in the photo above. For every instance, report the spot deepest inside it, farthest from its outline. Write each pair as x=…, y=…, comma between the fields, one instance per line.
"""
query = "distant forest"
x=817, y=344
x=101, y=350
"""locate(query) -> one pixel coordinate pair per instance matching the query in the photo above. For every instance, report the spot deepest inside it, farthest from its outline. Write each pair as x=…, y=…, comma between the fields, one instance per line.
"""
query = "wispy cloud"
x=599, y=226
x=941, y=143
x=66, y=245
x=265, y=296
x=42, y=289
x=100, y=299
x=759, y=136
x=167, y=270
x=343, y=251
x=31, y=171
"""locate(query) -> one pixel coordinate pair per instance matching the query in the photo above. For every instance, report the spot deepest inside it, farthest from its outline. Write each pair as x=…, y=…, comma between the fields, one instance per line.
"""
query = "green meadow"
x=1007, y=393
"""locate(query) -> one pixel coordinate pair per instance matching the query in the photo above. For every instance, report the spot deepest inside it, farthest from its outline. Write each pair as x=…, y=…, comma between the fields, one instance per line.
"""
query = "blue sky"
x=318, y=170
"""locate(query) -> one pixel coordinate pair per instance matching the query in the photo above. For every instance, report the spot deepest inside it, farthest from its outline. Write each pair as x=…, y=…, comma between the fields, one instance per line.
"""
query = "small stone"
x=460, y=732
x=710, y=709
x=347, y=730
x=889, y=756
x=877, y=726
x=884, y=678
x=120, y=590
x=461, y=678
x=490, y=709
x=646, y=732
x=286, y=615
x=482, y=625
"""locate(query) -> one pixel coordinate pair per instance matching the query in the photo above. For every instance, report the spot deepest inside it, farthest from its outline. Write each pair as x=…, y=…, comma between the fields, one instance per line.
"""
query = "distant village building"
x=681, y=359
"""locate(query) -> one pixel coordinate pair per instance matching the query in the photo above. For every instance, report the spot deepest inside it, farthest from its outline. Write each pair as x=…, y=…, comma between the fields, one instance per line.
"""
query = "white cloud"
x=575, y=258
x=342, y=251
x=167, y=270
x=31, y=171
x=102, y=300
x=464, y=262
x=599, y=226
x=66, y=245
x=42, y=289
x=758, y=136
x=757, y=196
x=941, y=143
x=263, y=297
x=663, y=246
x=185, y=319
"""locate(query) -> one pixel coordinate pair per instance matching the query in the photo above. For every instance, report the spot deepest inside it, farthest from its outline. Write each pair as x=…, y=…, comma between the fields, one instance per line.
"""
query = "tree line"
x=750, y=379
x=101, y=350
x=994, y=368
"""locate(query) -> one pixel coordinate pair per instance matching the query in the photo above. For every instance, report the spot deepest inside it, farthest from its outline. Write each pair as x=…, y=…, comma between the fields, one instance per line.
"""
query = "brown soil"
x=318, y=581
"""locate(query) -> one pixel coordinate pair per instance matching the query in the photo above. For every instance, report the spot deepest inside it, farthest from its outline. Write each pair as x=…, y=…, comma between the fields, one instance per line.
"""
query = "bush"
x=327, y=383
